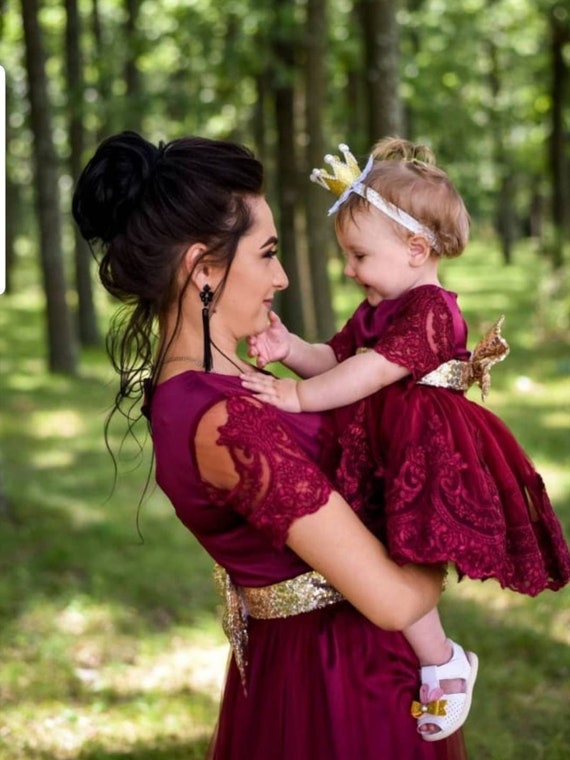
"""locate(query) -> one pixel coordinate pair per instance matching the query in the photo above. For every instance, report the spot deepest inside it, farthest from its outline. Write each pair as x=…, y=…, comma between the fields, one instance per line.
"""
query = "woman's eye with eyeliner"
x=270, y=254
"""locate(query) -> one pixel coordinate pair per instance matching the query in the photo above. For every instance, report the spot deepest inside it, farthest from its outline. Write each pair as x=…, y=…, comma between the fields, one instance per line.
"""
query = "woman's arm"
x=336, y=543
x=331, y=538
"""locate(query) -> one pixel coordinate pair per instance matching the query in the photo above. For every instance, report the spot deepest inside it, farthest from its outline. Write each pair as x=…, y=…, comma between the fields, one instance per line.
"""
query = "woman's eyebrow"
x=270, y=241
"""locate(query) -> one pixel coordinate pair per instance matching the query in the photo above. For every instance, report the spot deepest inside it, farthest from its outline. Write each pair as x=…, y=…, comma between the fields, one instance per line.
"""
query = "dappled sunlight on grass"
x=70, y=732
x=63, y=423
x=547, y=615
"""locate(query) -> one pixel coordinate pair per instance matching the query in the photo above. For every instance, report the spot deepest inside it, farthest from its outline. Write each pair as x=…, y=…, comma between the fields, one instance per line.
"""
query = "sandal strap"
x=457, y=667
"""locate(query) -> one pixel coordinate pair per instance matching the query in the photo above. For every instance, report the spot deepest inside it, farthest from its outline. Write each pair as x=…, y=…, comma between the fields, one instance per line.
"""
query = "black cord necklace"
x=227, y=358
x=200, y=363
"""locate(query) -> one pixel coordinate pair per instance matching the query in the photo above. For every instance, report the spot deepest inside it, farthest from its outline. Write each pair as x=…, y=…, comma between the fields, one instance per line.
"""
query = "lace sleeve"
x=249, y=462
x=421, y=337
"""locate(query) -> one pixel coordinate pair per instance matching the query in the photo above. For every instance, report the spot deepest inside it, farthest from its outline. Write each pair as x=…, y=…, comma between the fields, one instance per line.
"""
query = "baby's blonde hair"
x=405, y=175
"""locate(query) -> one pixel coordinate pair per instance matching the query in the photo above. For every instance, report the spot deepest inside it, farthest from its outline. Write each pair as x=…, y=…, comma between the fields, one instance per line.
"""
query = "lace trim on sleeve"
x=277, y=482
x=421, y=337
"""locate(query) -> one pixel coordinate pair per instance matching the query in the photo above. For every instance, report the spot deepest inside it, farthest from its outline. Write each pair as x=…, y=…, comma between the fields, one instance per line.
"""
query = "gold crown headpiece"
x=347, y=177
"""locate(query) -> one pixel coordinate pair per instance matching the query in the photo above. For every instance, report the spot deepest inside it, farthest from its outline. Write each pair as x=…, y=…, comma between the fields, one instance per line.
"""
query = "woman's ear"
x=194, y=266
x=419, y=250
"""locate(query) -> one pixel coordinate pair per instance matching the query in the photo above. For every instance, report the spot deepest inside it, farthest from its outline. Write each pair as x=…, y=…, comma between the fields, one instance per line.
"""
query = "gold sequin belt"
x=461, y=375
x=305, y=593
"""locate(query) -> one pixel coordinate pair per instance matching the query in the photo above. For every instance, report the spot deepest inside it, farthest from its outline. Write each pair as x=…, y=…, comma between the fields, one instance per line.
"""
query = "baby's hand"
x=280, y=393
x=271, y=345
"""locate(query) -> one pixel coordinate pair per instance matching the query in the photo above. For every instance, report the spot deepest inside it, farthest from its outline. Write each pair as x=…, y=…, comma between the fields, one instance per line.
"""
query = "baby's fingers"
x=262, y=387
x=258, y=383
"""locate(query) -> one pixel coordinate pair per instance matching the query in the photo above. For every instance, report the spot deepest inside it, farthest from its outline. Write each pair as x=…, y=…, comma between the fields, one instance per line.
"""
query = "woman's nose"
x=280, y=280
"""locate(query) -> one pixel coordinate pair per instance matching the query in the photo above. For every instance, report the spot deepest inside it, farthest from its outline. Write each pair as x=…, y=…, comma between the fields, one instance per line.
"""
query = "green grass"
x=111, y=649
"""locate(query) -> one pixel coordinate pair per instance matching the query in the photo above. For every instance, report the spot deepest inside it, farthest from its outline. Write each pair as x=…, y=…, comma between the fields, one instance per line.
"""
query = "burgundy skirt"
x=325, y=685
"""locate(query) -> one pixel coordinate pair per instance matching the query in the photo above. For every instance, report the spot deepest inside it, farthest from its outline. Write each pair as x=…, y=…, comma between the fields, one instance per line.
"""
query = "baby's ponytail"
x=398, y=149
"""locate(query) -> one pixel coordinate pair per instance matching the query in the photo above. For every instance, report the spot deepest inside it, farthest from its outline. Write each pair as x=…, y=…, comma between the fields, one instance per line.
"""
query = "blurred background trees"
x=485, y=82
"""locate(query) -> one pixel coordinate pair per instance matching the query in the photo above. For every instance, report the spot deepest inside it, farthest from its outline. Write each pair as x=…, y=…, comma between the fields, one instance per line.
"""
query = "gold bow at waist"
x=461, y=375
x=305, y=593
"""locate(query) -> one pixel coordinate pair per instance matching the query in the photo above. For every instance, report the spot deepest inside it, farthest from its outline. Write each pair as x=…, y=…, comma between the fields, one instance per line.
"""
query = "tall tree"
x=381, y=43
x=294, y=303
x=86, y=317
x=61, y=339
x=132, y=73
x=13, y=196
x=318, y=235
x=559, y=18
x=505, y=220
x=101, y=66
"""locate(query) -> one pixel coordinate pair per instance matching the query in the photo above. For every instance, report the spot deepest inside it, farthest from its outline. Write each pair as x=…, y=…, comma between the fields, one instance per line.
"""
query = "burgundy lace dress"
x=454, y=483
x=321, y=685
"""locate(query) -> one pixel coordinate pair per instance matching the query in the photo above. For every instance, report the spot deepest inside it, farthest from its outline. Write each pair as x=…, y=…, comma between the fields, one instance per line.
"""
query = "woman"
x=318, y=671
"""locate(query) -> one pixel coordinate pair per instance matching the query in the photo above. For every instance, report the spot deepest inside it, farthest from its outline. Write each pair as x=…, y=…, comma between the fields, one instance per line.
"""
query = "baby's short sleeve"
x=250, y=462
x=421, y=336
x=343, y=343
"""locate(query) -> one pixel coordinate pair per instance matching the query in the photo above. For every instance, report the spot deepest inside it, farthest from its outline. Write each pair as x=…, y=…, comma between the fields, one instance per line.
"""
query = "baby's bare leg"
x=428, y=640
x=432, y=647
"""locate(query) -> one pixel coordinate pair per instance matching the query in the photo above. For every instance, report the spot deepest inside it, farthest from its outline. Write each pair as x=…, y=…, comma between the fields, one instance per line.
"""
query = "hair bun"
x=111, y=185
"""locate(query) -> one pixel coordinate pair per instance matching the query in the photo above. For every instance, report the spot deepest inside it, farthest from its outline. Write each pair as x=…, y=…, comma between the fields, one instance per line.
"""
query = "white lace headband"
x=348, y=178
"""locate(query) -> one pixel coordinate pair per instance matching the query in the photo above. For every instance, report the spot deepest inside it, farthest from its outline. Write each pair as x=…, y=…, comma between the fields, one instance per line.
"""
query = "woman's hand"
x=271, y=345
x=280, y=393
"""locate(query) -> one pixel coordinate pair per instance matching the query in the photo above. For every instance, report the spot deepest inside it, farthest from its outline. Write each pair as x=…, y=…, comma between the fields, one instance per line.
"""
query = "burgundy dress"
x=322, y=685
x=455, y=484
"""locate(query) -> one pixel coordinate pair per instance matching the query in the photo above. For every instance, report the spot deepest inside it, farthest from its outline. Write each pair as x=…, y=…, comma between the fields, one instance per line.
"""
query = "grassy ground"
x=110, y=648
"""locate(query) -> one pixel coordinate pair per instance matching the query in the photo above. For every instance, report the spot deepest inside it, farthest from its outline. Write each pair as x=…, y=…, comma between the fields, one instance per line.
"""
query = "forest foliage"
x=484, y=82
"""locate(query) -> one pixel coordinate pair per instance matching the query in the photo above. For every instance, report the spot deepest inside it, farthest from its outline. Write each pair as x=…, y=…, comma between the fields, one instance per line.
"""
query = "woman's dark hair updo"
x=141, y=206
x=146, y=204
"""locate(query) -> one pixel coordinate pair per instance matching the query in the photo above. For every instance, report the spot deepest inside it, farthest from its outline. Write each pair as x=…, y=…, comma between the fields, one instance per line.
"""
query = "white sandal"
x=446, y=711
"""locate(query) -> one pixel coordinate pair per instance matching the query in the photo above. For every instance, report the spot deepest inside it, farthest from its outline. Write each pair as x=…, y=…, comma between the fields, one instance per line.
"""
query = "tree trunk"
x=559, y=163
x=100, y=63
x=380, y=36
x=13, y=208
x=87, y=319
x=259, y=126
x=61, y=338
x=5, y=510
x=132, y=73
x=318, y=225
x=13, y=198
x=293, y=308
x=504, y=212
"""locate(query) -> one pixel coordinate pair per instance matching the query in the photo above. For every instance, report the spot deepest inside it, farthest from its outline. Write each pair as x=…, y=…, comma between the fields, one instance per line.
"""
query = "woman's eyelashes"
x=271, y=253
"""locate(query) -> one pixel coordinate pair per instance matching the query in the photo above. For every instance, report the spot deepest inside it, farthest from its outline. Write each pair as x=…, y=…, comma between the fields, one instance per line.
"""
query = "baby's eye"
x=359, y=256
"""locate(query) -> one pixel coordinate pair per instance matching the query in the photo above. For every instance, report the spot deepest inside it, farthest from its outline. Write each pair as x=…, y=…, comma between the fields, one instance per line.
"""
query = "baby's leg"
x=432, y=647
x=428, y=640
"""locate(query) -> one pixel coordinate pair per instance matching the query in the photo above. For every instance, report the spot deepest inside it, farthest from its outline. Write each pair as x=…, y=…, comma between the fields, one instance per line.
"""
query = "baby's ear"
x=419, y=250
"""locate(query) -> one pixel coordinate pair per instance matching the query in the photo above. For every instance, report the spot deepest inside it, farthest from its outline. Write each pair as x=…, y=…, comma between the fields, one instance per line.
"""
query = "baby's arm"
x=277, y=344
x=351, y=380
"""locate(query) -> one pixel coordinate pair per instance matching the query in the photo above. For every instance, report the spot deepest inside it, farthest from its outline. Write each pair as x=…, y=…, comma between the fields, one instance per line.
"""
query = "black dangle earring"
x=206, y=296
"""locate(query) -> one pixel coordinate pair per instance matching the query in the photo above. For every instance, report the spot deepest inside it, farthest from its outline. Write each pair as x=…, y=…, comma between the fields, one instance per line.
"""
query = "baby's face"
x=377, y=255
